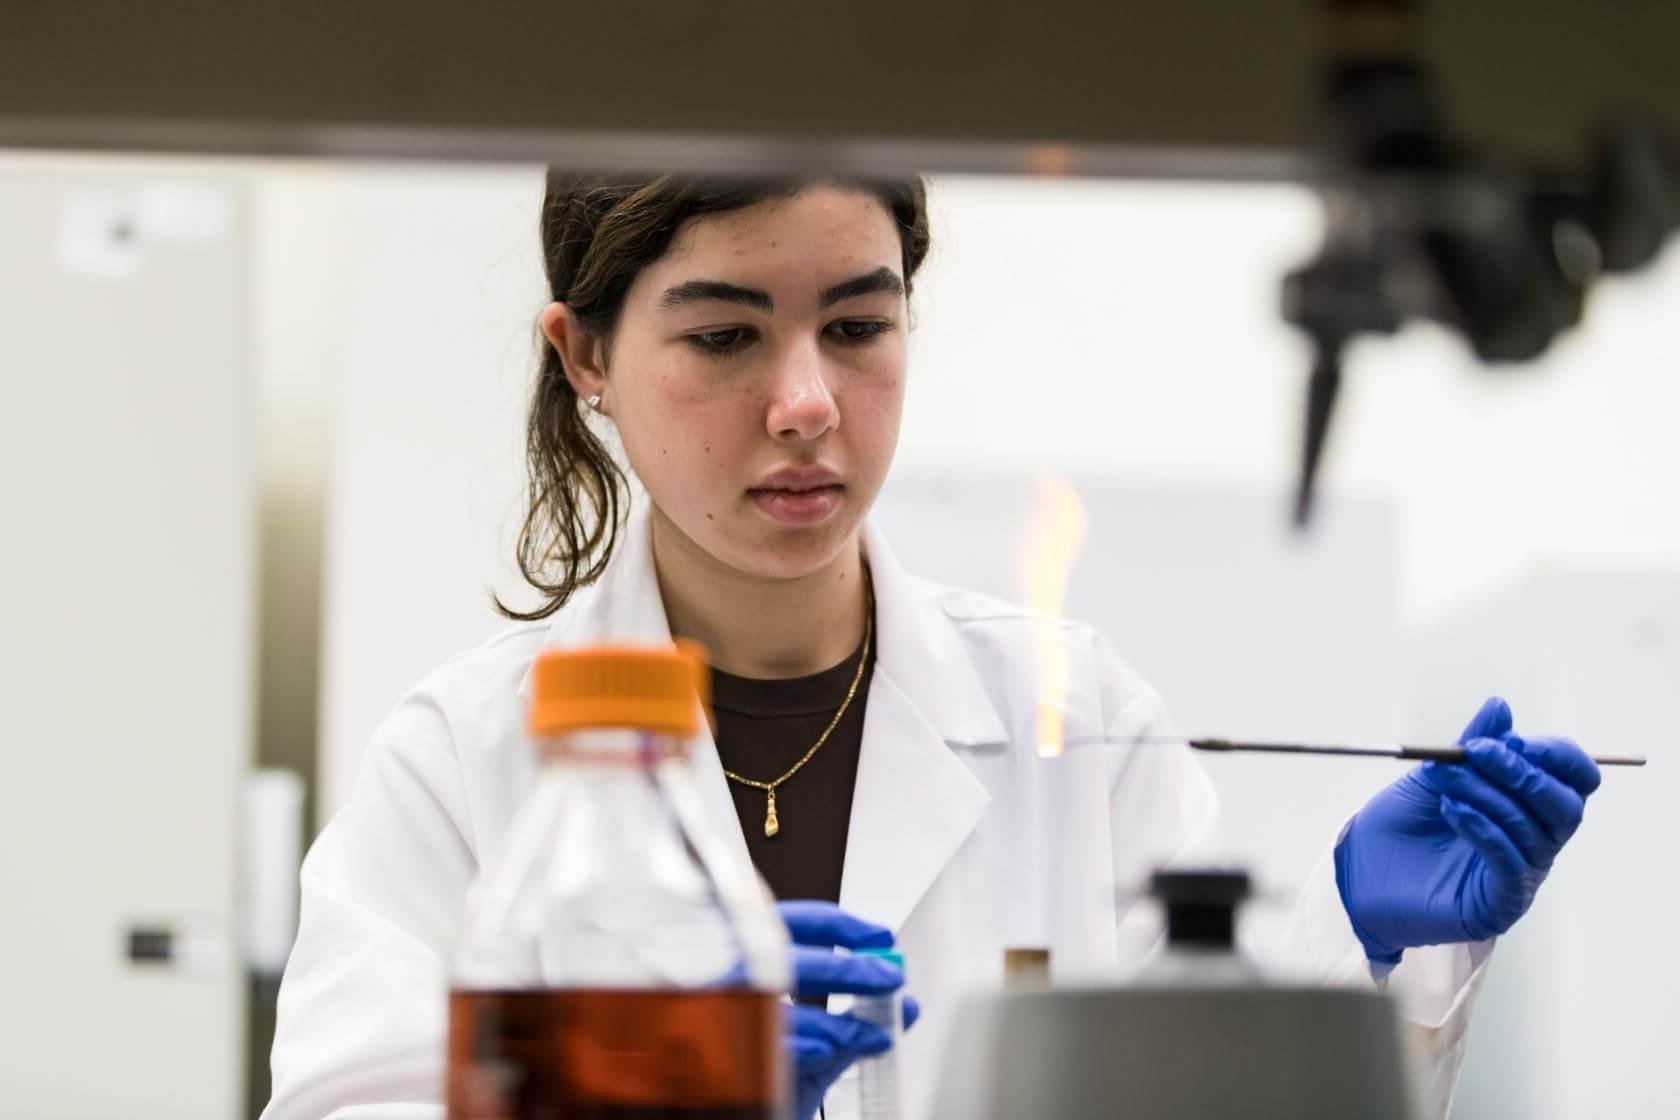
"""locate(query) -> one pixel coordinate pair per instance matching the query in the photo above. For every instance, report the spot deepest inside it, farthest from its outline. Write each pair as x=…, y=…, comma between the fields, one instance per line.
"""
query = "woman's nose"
x=801, y=404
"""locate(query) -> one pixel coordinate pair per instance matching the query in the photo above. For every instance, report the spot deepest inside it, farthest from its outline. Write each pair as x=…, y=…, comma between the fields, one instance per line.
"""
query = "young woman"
x=746, y=345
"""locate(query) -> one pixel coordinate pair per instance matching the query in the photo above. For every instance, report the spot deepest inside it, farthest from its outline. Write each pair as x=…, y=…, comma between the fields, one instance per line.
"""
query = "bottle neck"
x=610, y=748
x=1202, y=926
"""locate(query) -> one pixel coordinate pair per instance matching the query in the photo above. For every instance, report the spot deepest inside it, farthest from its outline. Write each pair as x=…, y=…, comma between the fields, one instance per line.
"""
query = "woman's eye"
x=719, y=342
x=726, y=341
x=860, y=330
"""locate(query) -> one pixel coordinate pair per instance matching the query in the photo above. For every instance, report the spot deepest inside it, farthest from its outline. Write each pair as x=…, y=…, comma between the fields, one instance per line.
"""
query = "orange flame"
x=1055, y=533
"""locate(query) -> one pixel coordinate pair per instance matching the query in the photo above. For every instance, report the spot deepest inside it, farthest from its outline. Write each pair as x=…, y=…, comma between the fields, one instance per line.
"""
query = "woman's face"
x=757, y=378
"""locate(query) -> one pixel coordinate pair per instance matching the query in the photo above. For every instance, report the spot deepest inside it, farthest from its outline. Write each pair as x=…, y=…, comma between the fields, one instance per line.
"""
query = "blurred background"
x=261, y=449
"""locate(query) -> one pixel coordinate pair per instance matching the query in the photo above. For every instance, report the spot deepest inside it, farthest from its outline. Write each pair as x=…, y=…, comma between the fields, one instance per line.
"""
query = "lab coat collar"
x=914, y=801
x=921, y=652
x=623, y=606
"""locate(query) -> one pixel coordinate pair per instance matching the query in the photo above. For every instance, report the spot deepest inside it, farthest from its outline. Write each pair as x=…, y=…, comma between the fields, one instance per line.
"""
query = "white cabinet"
x=126, y=566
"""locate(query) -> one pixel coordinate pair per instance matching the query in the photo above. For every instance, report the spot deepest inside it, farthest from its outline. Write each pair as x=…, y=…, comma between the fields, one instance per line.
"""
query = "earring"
x=594, y=403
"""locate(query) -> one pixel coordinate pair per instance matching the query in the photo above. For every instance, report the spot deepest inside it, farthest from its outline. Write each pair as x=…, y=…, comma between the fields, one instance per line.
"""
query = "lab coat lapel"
x=915, y=801
x=624, y=605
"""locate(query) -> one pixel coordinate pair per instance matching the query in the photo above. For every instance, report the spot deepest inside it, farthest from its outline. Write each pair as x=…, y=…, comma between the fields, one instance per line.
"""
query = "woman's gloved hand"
x=823, y=1045
x=1455, y=852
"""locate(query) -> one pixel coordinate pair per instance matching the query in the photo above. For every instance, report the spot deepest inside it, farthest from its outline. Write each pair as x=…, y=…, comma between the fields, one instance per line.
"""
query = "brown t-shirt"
x=764, y=727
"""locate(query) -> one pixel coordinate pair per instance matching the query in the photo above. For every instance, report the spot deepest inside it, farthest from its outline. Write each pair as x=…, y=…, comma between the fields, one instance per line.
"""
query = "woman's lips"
x=799, y=507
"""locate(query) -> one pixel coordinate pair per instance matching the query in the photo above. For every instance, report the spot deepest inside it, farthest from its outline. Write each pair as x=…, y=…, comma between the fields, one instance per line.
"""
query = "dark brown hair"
x=598, y=233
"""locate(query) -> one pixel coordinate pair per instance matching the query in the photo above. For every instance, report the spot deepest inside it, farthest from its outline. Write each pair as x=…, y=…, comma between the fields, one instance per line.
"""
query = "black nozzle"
x=1322, y=388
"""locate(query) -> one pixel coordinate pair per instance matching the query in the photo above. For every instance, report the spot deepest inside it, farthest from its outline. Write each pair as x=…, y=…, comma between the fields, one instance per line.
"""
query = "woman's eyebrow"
x=883, y=279
x=697, y=291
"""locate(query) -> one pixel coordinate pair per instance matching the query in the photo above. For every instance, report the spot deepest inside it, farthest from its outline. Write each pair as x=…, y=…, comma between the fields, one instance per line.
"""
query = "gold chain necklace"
x=771, y=824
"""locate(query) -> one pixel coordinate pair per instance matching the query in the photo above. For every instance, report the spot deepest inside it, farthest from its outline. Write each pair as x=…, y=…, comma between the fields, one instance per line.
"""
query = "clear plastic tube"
x=879, y=1095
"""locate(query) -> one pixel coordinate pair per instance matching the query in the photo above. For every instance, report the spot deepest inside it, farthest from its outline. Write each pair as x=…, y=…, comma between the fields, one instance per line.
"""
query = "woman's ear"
x=581, y=353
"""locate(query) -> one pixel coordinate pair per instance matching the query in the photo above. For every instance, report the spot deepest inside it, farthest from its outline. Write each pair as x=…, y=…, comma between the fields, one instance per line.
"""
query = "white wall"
x=1580, y=1015
x=1153, y=347
x=1113, y=330
x=440, y=286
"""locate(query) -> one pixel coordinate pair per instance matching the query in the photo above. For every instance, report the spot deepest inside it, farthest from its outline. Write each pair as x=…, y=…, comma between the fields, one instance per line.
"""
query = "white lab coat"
x=961, y=841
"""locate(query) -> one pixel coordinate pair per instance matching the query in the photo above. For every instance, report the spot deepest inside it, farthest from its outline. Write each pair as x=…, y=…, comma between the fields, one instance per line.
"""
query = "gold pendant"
x=771, y=825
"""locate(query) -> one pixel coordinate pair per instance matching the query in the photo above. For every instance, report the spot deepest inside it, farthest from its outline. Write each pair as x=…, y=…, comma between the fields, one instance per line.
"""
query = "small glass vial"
x=879, y=1095
x=1026, y=969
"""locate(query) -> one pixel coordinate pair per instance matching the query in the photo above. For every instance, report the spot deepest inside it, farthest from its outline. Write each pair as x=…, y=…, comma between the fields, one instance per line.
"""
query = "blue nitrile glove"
x=1455, y=851
x=823, y=1045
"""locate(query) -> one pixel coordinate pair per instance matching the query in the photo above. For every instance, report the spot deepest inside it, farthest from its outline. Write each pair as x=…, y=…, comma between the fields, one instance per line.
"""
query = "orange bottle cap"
x=646, y=687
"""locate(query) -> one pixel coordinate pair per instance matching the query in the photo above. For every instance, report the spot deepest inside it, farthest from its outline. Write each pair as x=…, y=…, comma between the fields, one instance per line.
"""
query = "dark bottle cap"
x=1201, y=905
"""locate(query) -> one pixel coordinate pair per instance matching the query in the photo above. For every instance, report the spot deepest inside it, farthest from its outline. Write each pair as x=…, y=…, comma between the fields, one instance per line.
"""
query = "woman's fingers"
x=1486, y=837
x=1491, y=722
x=1563, y=759
x=812, y=922
x=1465, y=785
x=808, y=1051
x=841, y=1034
x=1555, y=805
x=821, y=972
